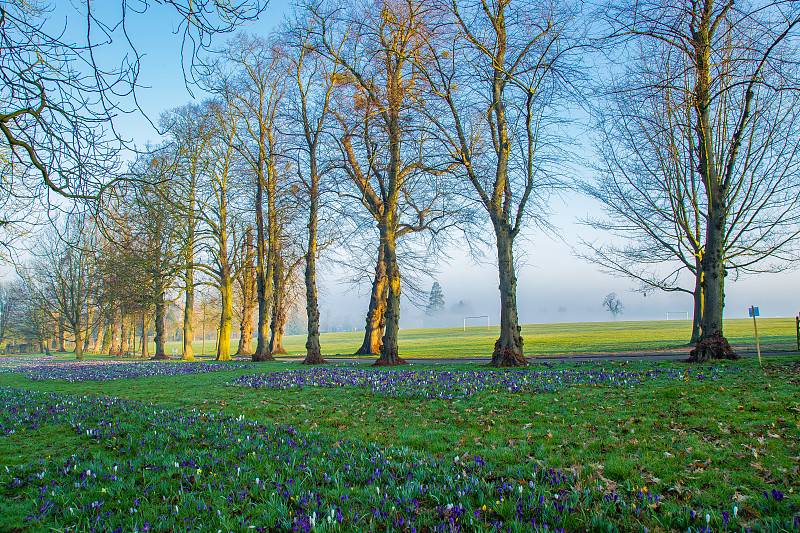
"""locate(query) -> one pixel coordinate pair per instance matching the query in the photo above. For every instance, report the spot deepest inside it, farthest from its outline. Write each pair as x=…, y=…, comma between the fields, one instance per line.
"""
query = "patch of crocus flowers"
x=142, y=467
x=42, y=368
x=432, y=384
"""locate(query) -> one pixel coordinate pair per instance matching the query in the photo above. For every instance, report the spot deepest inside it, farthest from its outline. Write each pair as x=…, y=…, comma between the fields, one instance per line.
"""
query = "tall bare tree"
x=733, y=67
x=383, y=137
x=314, y=79
x=250, y=78
x=503, y=72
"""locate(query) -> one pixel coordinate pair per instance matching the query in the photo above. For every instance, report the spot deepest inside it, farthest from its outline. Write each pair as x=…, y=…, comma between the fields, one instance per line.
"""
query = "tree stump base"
x=508, y=357
x=389, y=358
x=314, y=359
x=714, y=346
x=262, y=357
x=163, y=357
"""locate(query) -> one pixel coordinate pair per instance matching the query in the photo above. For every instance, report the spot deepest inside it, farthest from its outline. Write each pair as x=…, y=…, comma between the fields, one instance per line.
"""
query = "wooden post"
x=755, y=328
x=797, y=320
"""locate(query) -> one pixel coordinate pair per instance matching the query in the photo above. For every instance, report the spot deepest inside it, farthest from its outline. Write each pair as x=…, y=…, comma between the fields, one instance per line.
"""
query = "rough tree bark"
x=313, y=348
x=247, y=283
x=159, y=339
x=263, y=270
x=278, y=319
x=376, y=313
x=389, y=349
x=508, y=348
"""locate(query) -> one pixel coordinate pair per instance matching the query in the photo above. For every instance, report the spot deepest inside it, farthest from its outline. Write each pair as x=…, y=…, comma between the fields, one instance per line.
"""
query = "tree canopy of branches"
x=61, y=88
x=700, y=149
x=501, y=72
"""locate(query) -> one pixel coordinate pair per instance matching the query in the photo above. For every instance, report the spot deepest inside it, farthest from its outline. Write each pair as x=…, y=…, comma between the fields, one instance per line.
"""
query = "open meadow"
x=123, y=445
x=544, y=339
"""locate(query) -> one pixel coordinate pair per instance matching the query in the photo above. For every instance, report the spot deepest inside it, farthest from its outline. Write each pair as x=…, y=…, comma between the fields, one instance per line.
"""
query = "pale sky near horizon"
x=554, y=286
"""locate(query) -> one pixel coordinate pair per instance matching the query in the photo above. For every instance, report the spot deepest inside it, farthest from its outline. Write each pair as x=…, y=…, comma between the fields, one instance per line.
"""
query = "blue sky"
x=554, y=286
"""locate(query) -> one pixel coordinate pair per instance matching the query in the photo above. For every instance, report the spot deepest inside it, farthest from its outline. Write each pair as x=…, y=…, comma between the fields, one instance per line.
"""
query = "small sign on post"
x=797, y=323
x=754, y=314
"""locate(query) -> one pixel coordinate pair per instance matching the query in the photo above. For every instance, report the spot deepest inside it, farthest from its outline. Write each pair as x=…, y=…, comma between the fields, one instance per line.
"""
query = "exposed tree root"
x=505, y=357
x=314, y=358
x=714, y=346
x=389, y=357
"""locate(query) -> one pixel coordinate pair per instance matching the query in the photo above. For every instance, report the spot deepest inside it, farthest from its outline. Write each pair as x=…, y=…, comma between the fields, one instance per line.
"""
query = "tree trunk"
x=108, y=335
x=188, y=317
x=376, y=313
x=159, y=326
x=114, y=349
x=278, y=301
x=248, y=284
x=145, y=336
x=508, y=348
x=389, y=350
x=697, y=315
x=226, y=317
x=133, y=334
x=313, y=348
x=123, y=337
x=263, y=271
x=78, y=344
x=713, y=250
x=61, y=341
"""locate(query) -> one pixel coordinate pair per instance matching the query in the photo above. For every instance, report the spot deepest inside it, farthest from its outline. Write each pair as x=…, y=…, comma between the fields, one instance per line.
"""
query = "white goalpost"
x=677, y=315
x=476, y=317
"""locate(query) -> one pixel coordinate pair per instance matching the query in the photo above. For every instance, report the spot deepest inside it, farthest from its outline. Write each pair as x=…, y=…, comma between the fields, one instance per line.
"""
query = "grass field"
x=544, y=339
x=612, y=446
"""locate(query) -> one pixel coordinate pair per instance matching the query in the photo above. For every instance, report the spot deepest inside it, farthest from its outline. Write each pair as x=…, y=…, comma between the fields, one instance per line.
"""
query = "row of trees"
x=393, y=126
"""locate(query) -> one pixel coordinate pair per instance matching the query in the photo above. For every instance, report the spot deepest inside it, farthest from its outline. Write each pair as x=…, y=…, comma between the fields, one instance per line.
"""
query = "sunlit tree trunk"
x=389, y=350
x=278, y=318
x=188, y=277
x=247, y=284
x=376, y=313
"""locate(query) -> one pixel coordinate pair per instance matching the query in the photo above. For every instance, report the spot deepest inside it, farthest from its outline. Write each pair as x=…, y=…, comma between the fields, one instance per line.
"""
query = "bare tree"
x=502, y=71
x=314, y=82
x=254, y=88
x=33, y=320
x=63, y=279
x=10, y=296
x=383, y=136
x=158, y=244
x=734, y=69
x=612, y=304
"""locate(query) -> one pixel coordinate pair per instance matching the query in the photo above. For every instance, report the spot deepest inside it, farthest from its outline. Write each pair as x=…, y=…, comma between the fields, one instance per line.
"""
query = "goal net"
x=677, y=315
x=473, y=318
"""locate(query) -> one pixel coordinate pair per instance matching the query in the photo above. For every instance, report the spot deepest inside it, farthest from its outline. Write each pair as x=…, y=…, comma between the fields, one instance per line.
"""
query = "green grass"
x=700, y=444
x=545, y=339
